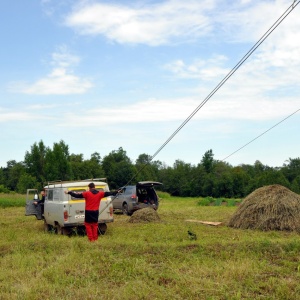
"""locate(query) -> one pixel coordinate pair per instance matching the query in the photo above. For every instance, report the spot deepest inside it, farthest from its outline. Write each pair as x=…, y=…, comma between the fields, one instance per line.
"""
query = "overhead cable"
x=261, y=135
x=236, y=67
x=222, y=82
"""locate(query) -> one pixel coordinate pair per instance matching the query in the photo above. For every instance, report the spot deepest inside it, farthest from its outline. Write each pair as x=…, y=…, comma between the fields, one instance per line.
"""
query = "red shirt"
x=92, y=199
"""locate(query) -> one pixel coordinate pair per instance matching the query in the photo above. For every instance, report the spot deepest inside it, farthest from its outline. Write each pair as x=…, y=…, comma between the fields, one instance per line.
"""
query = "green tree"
x=95, y=166
x=259, y=167
x=78, y=169
x=166, y=177
x=223, y=181
x=27, y=181
x=182, y=177
x=12, y=174
x=208, y=161
x=291, y=169
x=198, y=181
x=85, y=169
x=240, y=181
x=295, y=186
x=118, y=168
x=272, y=176
x=35, y=161
x=146, y=169
x=178, y=181
x=2, y=177
x=208, y=185
x=57, y=165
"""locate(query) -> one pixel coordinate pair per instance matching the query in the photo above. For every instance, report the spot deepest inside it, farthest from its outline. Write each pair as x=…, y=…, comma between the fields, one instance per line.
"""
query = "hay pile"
x=144, y=215
x=272, y=207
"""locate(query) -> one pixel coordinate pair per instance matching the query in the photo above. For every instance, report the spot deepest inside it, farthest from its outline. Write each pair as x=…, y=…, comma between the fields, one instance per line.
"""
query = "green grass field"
x=148, y=261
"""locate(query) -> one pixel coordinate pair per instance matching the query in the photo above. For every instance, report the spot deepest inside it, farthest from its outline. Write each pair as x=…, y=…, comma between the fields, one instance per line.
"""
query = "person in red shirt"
x=92, y=203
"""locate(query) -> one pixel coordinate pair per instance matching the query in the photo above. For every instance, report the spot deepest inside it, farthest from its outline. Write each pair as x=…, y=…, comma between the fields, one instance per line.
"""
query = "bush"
x=231, y=202
x=204, y=202
x=211, y=199
x=218, y=201
x=3, y=189
x=163, y=194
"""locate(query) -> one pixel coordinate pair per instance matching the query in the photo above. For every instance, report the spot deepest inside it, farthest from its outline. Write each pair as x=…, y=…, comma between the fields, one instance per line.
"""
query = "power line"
x=261, y=134
x=222, y=82
x=235, y=68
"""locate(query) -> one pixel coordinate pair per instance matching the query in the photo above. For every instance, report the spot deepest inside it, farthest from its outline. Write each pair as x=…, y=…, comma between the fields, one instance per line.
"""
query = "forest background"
x=209, y=177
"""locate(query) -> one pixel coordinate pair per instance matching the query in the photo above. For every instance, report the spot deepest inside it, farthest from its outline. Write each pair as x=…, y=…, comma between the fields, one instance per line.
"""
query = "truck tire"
x=47, y=227
x=102, y=227
x=58, y=229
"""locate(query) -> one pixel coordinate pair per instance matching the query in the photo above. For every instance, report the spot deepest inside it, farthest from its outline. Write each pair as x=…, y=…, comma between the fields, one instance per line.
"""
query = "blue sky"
x=100, y=75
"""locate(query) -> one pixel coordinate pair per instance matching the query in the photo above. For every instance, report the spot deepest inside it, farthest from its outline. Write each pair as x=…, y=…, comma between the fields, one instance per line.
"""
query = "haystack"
x=272, y=207
x=144, y=215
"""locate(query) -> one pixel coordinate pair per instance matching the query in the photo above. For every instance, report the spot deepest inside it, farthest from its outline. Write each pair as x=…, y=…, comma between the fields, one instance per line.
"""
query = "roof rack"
x=95, y=179
x=60, y=182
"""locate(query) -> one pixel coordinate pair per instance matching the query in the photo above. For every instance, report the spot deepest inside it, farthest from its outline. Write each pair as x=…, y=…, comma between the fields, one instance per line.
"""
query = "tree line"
x=209, y=177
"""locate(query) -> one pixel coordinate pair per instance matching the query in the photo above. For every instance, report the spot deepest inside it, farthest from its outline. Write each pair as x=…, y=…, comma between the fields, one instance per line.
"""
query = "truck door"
x=32, y=209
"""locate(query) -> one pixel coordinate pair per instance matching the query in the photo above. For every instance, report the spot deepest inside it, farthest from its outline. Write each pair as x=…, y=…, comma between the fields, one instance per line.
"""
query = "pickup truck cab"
x=63, y=213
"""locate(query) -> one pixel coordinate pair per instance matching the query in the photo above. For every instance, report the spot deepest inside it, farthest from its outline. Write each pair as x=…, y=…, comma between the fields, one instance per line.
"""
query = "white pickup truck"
x=63, y=213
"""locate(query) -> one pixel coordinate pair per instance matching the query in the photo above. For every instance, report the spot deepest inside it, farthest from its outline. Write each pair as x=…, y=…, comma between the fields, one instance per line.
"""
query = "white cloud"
x=246, y=21
x=7, y=115
x=63, y=59
x=154, y=24
x=60, y=81
x=166, y=110
x=202, y=69
x=176, y=20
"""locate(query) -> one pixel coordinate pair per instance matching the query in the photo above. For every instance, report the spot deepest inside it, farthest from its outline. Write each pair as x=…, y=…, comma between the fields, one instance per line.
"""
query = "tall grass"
x=149, y=261
x=12, y=200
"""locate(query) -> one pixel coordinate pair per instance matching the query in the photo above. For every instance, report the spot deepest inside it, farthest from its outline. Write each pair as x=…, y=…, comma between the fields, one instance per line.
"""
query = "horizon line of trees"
x=209, y=177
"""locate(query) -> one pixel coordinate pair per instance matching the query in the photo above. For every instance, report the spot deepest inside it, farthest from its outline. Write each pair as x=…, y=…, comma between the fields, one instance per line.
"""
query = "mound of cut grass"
x=145, y=215
x=272, y=207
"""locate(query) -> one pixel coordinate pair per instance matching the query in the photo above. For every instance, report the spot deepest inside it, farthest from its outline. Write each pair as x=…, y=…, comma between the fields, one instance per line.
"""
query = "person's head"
x=91, y=186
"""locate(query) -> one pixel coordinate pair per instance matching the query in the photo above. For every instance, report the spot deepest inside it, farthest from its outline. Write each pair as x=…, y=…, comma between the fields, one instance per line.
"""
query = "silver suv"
x=134, y=197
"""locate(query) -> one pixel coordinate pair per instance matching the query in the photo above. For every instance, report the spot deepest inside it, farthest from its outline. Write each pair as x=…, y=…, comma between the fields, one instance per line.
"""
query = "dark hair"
x=91, y=185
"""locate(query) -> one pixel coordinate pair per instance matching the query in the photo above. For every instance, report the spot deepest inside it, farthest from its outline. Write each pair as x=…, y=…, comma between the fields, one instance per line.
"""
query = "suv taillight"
x=133, y=196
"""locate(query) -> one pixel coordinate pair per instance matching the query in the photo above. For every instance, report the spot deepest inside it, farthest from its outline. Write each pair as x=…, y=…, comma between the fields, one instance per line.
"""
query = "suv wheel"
x=125, y=209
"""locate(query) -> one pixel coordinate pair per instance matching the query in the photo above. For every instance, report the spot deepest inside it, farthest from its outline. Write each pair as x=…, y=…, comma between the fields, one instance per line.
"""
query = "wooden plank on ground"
x=205, y=222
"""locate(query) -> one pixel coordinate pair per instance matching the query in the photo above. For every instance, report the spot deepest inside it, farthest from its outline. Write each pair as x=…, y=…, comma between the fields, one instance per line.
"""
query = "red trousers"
x=91, y=231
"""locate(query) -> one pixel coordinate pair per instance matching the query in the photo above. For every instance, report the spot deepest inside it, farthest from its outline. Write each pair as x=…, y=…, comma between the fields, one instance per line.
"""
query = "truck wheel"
x=58, y=229
x=47, y=227
x=102, y=227
x=66, y=231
